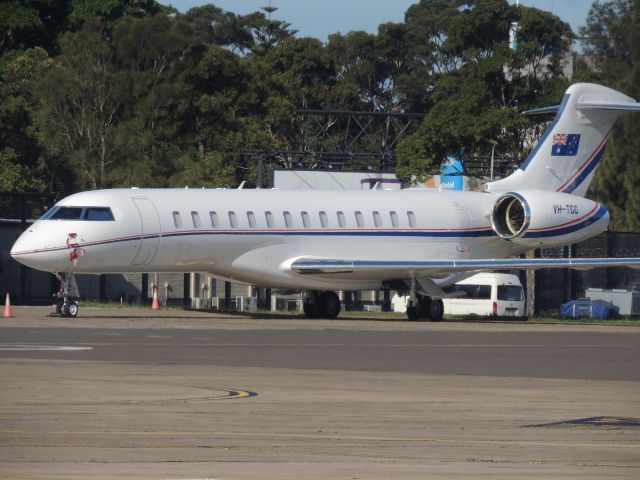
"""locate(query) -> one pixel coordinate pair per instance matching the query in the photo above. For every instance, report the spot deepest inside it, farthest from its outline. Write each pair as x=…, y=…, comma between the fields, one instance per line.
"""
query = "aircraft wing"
x=326, y=266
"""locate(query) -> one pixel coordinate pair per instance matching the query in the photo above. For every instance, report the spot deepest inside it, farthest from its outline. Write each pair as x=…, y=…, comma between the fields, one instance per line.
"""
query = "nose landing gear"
x=63, y=299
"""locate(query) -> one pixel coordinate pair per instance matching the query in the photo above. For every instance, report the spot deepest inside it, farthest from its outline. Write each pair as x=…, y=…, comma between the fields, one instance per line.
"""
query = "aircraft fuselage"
x=254, y=235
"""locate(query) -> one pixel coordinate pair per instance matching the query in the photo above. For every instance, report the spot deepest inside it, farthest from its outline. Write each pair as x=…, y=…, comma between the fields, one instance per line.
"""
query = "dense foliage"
x=612, y=41
x=108, y=93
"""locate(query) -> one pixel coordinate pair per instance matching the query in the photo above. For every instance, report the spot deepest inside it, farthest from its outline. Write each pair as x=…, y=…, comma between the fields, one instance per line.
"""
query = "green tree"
x=23, y=163
x=111, y=11
x=612, y=41
x=214, y=26
x=82, y=96
x=478, y=85
x=36, y=23
x=152, y=54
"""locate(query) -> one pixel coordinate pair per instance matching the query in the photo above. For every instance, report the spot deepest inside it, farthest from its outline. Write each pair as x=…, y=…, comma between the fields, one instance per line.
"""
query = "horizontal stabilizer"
x=309, y=266
x=538, y=111
x=627, y=106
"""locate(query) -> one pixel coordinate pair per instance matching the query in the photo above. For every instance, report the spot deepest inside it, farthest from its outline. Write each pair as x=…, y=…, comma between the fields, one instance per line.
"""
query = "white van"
x=498, y=294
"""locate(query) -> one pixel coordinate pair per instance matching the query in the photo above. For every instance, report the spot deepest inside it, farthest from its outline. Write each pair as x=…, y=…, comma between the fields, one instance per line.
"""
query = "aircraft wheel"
x=329, y=305
x=424, y=307
x=64, y=309
x=73, y=309
x=413, y=313
x=59, y=304
x=310, y=309
x=436, y=310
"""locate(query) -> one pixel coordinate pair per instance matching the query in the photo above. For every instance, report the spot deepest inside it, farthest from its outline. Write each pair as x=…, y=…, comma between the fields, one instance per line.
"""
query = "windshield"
x=510, y=293
x=78, y=213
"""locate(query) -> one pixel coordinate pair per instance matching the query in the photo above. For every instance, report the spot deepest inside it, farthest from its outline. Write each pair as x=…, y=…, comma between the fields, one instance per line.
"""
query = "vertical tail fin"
x=566, y=156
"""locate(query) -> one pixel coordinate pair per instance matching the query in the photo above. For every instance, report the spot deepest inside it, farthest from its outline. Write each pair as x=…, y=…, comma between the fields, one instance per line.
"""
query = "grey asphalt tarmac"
x=179, y=395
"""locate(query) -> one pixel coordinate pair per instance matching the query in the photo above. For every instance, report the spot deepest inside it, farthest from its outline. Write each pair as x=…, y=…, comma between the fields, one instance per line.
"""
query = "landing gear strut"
x=321, y=304
x=425, y=308
x=421, y=307
x=63, y=299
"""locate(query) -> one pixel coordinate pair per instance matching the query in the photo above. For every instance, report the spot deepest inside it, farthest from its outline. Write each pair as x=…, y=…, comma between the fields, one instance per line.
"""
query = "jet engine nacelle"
x=536, y=217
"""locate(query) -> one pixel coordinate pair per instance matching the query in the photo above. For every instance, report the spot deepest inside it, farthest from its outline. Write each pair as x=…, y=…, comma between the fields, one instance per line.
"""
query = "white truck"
x=485, y=294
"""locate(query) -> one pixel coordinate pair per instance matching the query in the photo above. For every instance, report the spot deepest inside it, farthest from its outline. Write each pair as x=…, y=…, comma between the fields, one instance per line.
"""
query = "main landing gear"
x=63, y=299
x=321, y=304
x=425, y=308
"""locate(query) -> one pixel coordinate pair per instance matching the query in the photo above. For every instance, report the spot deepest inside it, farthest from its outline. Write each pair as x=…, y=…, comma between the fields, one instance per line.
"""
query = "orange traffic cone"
x=7, y=307
x=155, y=305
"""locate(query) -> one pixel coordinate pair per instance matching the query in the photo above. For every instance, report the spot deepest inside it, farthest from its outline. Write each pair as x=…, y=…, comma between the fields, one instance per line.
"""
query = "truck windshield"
x=510, y=293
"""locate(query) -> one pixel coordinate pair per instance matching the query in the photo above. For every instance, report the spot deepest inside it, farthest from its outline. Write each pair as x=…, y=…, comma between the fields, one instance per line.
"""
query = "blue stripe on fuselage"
x=600, y=213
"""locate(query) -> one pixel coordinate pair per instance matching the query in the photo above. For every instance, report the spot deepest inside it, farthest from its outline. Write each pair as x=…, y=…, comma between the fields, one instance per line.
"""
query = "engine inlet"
x=511, y=216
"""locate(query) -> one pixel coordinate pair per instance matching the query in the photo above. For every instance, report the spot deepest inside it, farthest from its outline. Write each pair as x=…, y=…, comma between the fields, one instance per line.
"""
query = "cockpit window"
x=67, y=213
x=49, y=212
x=79, y=213
x=97, y=213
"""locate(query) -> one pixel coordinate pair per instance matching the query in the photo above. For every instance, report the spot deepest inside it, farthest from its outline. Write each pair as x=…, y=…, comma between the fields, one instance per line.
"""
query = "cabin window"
x=342, y=221
x=251, y=218
x=306, y=221
x=177, y=220
x=215, y=222
x=377, y=219
x=288, y=221
x=233, y=220
x=359, y=219
x=324, y=220
x=195, y=218
x=269, y=218
x=412, y=219
x=394, y=219
x=97, y=214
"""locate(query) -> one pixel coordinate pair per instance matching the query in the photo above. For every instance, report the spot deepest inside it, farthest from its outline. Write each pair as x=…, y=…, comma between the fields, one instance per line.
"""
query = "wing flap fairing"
x=325, y=266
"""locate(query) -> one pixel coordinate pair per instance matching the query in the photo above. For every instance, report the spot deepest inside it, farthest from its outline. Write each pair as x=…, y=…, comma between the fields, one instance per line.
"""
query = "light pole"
x=493, y=148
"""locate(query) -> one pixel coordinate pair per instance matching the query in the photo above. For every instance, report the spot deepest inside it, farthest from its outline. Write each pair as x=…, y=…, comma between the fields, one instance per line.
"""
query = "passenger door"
x=149, y=231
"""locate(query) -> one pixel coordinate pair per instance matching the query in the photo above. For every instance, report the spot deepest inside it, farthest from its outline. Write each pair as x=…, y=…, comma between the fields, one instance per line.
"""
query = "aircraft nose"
x=25, y=251
x=20, y=251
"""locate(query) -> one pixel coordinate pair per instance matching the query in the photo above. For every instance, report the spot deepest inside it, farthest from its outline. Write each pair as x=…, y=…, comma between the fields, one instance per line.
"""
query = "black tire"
x=73, y=309
x=424, y=306
x=64, y=309
x=59, y=304
x=310, y=310
x=329, y=305
x=413, y=313
x=436, y=310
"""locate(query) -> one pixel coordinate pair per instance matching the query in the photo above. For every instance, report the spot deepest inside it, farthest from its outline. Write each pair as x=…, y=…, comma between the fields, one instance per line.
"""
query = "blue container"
x=451, y=172
x=589, y=308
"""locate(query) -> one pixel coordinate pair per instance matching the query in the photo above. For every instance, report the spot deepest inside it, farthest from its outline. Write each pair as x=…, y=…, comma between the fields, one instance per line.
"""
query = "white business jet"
x=415, y=240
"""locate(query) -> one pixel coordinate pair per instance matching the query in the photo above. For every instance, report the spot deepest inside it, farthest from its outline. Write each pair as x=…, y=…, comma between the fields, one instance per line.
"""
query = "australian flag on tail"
x=565, y=145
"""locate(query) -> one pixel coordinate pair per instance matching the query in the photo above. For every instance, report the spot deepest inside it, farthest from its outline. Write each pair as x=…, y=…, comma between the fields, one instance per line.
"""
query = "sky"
x=320, y=18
